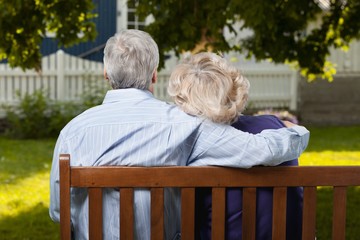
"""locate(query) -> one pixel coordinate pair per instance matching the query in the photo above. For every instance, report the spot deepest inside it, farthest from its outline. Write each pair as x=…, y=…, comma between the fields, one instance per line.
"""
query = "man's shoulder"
x=150, y=112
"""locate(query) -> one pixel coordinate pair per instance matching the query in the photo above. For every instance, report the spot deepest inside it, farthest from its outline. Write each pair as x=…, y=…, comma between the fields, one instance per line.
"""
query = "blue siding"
x=92, y=50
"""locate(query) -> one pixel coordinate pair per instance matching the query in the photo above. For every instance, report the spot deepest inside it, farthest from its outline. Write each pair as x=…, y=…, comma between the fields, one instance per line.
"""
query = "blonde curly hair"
x=206, y=85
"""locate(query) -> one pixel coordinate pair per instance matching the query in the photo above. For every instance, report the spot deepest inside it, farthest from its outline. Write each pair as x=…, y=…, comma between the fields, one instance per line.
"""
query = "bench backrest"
x=218, y=178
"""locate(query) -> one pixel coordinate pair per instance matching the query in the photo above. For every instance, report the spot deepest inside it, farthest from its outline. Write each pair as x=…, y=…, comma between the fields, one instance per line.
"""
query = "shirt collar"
x=128, y=94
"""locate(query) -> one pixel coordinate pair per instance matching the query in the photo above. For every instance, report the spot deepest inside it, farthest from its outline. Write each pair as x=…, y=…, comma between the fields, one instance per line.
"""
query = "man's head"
x=131, y=58
x=206, y=85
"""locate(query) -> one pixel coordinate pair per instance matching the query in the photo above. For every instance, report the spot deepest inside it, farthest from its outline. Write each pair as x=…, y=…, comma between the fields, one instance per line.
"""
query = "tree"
x=281, y=28
x=25, y=23
x=285, y=31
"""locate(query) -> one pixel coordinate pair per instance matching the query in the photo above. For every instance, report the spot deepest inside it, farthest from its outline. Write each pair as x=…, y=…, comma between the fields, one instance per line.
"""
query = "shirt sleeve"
x=54, y=209
x=224, y=145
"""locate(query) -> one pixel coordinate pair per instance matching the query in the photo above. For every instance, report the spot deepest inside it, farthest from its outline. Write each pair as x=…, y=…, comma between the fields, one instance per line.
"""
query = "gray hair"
x=130, y=59
x=207, y=86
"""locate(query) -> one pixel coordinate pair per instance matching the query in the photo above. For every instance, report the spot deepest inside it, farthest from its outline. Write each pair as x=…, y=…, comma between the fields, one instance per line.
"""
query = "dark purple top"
x=252, y=124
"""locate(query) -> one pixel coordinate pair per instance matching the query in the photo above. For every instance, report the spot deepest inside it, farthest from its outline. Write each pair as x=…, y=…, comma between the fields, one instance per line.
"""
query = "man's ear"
x=153, y=81
x=105, y=75
x=154, y=77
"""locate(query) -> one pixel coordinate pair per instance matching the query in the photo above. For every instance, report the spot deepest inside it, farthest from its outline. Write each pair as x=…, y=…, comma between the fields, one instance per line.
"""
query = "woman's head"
x=131, y=58
x=206, y=85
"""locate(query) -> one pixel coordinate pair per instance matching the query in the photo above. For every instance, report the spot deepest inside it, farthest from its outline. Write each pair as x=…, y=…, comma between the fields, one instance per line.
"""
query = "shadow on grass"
x=31, y=225
x=324, y=213
x=346, y=138
x=20, y=159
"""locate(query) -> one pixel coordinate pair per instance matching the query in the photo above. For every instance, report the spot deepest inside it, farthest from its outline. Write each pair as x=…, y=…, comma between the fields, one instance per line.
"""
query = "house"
x=106, y=26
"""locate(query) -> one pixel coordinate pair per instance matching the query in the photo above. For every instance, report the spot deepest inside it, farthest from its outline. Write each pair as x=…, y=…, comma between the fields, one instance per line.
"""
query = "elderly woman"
x=206, y=85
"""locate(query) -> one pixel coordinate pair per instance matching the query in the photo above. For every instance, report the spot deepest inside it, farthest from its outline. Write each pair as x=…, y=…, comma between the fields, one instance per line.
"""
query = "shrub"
x=38, y=116
x=28, y=119
x=93, y=94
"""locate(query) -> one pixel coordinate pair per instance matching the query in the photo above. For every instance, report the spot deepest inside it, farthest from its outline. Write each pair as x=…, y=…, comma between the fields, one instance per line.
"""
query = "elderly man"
x=132, y=128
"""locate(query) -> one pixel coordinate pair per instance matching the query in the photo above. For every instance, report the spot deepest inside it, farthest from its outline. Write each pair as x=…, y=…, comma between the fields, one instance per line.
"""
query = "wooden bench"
x=218, y=178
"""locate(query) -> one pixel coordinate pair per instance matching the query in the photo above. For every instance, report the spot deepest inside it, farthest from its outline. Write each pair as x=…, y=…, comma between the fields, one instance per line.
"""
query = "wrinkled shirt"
x=132, y=128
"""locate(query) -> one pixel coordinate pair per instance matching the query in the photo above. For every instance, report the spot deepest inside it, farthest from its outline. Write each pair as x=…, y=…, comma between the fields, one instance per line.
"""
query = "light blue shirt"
x=132, y=128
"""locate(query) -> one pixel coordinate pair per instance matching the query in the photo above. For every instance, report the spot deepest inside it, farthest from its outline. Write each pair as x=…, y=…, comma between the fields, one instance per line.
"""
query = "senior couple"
x=133, y=128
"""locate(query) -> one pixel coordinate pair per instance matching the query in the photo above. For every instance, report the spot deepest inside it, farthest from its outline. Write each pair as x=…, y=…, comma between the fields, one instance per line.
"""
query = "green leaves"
x=296, y=32
x=24, y=24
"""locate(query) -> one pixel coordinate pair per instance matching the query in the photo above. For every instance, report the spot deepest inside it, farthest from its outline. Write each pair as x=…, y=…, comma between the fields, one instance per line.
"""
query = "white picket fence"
x=273, y=87
x=65, y=78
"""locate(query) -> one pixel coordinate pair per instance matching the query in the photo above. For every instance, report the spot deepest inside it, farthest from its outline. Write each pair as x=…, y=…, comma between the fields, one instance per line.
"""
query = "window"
x=133, y=21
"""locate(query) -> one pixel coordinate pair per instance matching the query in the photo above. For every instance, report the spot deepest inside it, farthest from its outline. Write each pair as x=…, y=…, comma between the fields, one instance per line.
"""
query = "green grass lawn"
x=335, y=146
x=24, y=190
x=24, y=183
x=332, y=146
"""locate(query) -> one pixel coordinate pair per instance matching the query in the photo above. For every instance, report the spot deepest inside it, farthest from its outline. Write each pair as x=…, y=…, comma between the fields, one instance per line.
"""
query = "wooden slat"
x=214, y=176
x=157, y=213
x=187, y=213
x=65, y=221
x=309, y=213
x=279, y=213
x=156, y=178
x=339, y=213
x=95, y=213
x=249, y=213
x=218, y=214
x=127, y=213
